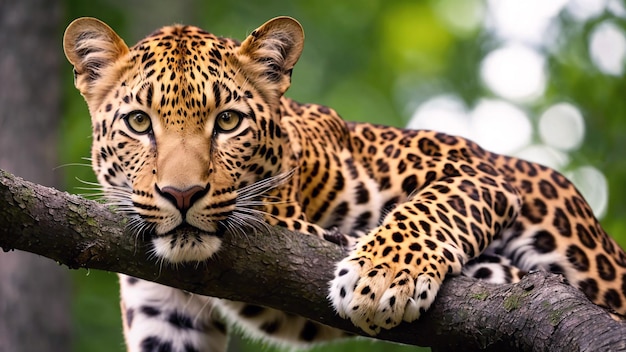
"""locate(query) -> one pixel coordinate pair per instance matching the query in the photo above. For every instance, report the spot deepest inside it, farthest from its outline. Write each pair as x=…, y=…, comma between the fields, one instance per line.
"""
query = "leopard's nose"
x=183, y=199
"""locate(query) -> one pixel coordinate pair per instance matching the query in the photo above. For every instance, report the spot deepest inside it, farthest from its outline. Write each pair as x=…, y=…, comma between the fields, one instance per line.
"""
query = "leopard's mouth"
x=188, y=229
x=187, y=243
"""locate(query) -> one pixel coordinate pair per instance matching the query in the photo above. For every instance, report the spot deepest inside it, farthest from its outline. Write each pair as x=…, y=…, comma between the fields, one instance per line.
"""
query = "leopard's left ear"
x=271, y=51
x=91, y=46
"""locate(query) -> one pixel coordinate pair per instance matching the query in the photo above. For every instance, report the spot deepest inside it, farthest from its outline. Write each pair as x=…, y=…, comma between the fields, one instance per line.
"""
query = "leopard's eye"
x=228, y=120
x=138, y=122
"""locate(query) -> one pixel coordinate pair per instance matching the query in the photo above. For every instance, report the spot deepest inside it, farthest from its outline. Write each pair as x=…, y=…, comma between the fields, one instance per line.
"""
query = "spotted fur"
x=194, y=130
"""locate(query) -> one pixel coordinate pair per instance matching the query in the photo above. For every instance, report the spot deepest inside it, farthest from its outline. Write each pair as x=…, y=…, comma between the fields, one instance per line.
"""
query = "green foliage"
x=349, y=345
x=97, y=319
x=372, y=60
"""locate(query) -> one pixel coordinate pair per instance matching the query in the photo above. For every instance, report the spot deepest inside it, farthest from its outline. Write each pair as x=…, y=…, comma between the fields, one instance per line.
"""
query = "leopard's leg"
x=278, y=327
x=161, y=318
x=395, y=270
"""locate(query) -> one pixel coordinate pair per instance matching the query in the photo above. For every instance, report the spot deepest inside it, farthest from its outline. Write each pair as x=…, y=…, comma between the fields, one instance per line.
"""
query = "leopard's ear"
x=91, y=46
x=271, y=51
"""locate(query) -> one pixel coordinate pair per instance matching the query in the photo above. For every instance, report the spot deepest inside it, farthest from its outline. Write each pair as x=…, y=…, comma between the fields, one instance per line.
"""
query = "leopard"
x=195, y=130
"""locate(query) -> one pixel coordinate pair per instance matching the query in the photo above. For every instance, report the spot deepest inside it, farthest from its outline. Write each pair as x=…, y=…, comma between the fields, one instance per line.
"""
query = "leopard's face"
x=185, y=124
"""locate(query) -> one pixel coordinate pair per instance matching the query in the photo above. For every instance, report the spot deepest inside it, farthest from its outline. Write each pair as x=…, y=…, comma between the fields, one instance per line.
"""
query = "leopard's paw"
x=380, y=296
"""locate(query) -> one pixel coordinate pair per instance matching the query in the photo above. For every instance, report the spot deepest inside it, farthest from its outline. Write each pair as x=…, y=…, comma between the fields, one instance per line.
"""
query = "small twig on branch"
x=539, y=313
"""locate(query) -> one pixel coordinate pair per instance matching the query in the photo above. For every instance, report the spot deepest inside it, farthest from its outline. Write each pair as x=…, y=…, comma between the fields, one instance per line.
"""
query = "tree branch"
x=539, y=313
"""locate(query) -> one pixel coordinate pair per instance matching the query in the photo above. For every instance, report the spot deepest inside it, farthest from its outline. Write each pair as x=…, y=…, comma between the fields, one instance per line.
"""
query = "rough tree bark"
x=541, y=313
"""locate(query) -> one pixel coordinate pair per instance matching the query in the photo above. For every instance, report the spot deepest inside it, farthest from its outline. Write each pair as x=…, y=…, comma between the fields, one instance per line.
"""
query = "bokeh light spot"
x=607, y=47
x=444, y=113
x=583, y=10
x=562, y=126
x=514, y=72
x=500, y=126
x=462, y=17
x=617, y=8
x=522, y=20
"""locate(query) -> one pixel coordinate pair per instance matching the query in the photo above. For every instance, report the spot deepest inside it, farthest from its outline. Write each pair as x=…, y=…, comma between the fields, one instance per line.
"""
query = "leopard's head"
x=185, y=125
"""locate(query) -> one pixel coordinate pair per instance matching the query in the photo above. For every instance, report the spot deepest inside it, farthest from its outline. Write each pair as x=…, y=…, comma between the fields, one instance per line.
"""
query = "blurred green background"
x=486, y=69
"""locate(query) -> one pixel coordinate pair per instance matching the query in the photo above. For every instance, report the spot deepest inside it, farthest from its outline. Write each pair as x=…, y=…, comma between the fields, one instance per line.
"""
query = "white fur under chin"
x=179, y=249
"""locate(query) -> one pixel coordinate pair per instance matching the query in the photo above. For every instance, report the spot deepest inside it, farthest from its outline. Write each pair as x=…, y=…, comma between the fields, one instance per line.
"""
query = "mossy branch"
x=293, y=270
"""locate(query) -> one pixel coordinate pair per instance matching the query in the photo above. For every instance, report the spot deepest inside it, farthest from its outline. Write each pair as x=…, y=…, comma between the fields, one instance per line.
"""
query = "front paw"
x=380, y=295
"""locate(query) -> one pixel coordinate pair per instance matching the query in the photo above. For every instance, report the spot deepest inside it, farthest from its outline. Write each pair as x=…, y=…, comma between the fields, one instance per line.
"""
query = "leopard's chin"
x=191, y=245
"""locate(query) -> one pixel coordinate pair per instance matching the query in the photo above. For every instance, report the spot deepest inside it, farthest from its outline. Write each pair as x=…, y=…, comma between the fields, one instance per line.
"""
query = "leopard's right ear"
x=91, y=46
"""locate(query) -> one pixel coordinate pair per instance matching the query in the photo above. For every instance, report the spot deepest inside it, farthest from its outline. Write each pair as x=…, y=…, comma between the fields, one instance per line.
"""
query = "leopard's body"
x=191, y=129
